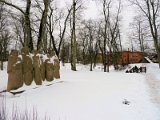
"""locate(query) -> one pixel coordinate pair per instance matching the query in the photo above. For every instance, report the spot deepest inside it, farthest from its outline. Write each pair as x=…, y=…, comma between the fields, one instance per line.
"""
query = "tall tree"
x=2, y=28
x=151, y=9
x=139, y=32
x=26, y=13
x=110, y=33
x=62, y=32
x=53, y=21
x=73, y=39
x=4, y=35
x=114, y=33
x=106, y=13
x=42, y=41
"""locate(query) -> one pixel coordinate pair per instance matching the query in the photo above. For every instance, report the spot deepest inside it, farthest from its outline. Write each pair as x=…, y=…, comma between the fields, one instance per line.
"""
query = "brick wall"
x=124, y=57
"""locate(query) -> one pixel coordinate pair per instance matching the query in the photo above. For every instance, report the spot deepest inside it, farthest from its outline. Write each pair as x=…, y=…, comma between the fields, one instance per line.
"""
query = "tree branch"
x=12, y=5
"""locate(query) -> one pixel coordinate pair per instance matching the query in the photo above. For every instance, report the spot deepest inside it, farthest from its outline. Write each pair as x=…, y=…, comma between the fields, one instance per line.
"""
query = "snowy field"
x=85, y=95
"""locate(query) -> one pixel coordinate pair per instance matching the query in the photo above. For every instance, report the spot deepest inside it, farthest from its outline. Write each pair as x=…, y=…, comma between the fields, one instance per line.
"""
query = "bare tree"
x=151, y=9
x=17, y=23
x=114, y=33
x=57, y=18
x=4, y=42
x=88, y=41
x=110, y=34
x=42, y=41
x=52, y=22
x=139, y=33
x=76, y=12
x=65, y=55
x=73, y=39
x=83, y=36
x=26, y=13
x=4, y=35
x=62, y=33
x=106, y=13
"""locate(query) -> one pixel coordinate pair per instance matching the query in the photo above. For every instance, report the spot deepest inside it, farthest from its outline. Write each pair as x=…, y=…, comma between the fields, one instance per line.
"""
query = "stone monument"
x=36, y=66
x=27, y=66
x=14, y=70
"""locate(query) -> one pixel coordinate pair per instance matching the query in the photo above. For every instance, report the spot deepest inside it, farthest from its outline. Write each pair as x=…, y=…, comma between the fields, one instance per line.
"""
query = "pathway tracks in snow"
x=154, y=85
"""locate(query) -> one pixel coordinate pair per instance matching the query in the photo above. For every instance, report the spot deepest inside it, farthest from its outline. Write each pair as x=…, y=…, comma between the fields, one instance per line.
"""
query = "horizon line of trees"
x=42, y=25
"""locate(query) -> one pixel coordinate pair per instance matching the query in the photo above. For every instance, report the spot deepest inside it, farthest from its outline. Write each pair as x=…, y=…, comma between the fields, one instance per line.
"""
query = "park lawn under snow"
x=85, y=95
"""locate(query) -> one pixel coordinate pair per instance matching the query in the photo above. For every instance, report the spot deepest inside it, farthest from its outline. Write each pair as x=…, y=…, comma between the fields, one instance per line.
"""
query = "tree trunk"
x=91, y=65
x=151, y=8
x=27, y=32
x=1, y=64
x=42, y=41
x=64, y=30
x=106, y=10
x=73, y=43
x=1, y=58
x=157, y=50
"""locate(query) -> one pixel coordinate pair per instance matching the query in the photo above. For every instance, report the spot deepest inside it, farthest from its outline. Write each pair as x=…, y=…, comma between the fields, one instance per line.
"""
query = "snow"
x=153, y=79
x=148, y=59
x=86, y=95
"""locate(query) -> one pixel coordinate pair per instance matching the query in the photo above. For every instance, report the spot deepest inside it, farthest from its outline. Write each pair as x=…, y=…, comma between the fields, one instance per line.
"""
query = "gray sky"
x=93, y=11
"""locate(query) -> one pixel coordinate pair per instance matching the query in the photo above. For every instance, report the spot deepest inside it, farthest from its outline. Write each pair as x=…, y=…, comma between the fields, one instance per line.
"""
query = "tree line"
x=42, y=25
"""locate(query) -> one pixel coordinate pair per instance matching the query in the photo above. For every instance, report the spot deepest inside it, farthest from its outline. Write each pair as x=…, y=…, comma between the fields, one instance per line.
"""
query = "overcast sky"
x=93, y=11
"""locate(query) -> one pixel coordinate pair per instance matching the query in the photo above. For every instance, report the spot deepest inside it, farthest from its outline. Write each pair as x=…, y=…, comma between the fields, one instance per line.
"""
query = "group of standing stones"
x=25, y=68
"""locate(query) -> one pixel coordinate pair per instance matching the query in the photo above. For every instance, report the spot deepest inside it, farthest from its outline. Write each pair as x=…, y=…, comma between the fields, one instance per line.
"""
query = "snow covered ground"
x=153, y=80
x=85, y=95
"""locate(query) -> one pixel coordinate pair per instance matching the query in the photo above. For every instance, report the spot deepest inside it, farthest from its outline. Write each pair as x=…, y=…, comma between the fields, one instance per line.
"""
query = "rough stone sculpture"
x=42, y=68
x=56, y=65
x=36, y=66
x=21, y=69
x=49, y=66
x=14, y=70
x=49, y=70
x=56, y=68
x=27, y=66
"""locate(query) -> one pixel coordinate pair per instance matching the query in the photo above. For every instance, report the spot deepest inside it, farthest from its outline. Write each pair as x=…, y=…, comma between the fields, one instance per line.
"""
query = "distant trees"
x=83, y=36
x=139, y=33
x=151, y=10
x=4, y=35
x=109, y=34
x=88, y=42
x=18, y=29
x=74, y=39
x=31, y=22
x=39, y=29
x=28, y=41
